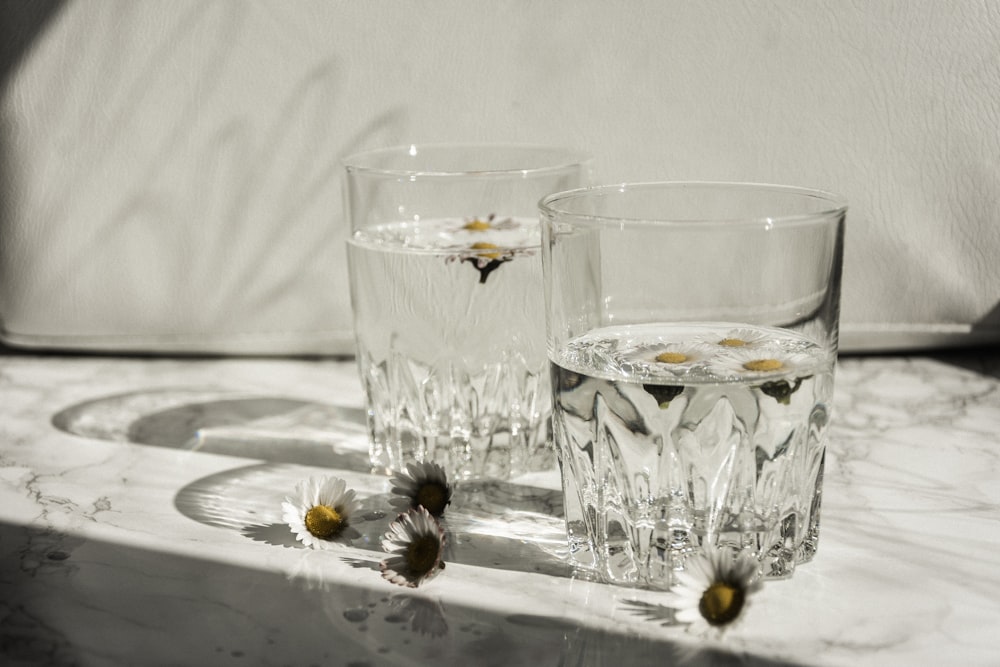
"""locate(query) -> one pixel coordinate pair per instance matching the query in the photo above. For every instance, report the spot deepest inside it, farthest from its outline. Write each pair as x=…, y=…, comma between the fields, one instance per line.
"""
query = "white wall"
x=170, y=178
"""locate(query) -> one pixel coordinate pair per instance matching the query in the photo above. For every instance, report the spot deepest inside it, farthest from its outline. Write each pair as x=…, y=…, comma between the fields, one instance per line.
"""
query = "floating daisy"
x=415, y=541
x=714, y=590
x=477, y=225
x=680, y=356
x=488, y=223
x=320, y=510
x=763, y=362
x=507, y=239
x=738, y=339
x=422, y=484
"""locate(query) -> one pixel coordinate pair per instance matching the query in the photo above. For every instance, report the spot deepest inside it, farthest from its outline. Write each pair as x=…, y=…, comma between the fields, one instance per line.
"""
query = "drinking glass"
x=692, y=334
x=446, y=291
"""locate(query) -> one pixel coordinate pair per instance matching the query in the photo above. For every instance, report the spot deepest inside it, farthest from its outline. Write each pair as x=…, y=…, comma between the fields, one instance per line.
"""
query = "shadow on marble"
x=219, y=421
x=491, y=524
x=65, y=596
x=984, y=361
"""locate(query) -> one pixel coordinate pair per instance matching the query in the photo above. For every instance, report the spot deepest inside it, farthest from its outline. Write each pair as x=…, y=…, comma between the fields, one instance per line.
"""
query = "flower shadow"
x=360, y=563
x=654, y=613
x=276, y=534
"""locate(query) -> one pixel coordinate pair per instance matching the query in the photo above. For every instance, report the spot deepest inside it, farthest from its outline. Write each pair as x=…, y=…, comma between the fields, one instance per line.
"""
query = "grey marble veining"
x=140, y=523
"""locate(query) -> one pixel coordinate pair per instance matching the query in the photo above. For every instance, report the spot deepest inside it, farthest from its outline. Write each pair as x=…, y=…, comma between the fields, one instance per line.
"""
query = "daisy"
x=415, y=541
x=738, y=339
x=714, y=589
x=508, y=239
x=681, y=356
x=477, y=224
x=421, y=485
x=320, y=510
x=759, y=363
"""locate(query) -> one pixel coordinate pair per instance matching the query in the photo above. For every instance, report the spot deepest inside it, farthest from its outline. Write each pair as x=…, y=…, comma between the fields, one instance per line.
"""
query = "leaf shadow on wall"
x=21, y=23
x=156, y=189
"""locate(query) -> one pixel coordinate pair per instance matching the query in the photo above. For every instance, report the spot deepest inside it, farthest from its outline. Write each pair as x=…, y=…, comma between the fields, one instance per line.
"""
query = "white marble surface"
x=140, y=524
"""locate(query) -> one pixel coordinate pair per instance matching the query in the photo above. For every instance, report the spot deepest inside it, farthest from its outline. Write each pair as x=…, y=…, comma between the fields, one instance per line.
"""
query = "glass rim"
x=361, y=162
x=837, y=204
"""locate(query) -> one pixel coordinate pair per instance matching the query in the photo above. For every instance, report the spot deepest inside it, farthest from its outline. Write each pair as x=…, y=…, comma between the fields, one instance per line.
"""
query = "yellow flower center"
x=671, y=357
x=732, y=342
x=433, y=497
x=486, y=246
x=323, y=522
x=422, y=553
x=764, y=365
x=721, y=603
x=477, y=225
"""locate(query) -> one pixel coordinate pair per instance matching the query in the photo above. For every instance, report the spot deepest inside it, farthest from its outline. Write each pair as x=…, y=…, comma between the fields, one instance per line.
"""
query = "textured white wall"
x=170, y=177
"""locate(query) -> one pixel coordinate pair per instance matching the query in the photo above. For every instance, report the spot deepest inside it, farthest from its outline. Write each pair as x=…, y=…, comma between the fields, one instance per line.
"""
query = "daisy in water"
x=738, y=339
x=679, y=357
x=508, y=240
x=760, y=363
x=320, y=510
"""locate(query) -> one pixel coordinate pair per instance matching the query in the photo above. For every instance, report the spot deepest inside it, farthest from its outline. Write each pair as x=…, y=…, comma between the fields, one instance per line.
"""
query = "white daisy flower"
x=763, y=362
x=714, y=589
x=477, y=224
x=320, y=510
x=415, y=541
x=508, y=239
x=422, y=484
x=681, y=356
x=738, y=339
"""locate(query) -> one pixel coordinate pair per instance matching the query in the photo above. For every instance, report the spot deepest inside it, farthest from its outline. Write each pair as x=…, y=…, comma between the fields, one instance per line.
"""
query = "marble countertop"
x=140, y=523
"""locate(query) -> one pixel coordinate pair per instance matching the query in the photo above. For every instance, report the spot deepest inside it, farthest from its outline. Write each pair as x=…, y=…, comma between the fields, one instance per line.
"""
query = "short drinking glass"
x=448, y=308
x=692, y=334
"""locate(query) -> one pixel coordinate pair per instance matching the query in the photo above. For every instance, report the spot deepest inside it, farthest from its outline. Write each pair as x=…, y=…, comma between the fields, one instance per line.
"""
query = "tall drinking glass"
x=692, y=334
x=449, y=316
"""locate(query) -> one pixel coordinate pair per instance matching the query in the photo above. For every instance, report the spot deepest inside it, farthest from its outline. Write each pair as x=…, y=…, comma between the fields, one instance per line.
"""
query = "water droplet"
x=356, y=615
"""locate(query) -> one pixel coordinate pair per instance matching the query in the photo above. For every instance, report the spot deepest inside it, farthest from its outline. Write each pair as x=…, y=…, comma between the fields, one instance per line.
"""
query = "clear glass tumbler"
x=692, y=334
x=448, y=308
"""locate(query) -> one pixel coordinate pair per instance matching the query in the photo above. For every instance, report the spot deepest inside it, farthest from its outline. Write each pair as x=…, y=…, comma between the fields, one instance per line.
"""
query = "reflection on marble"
x=140, y=524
